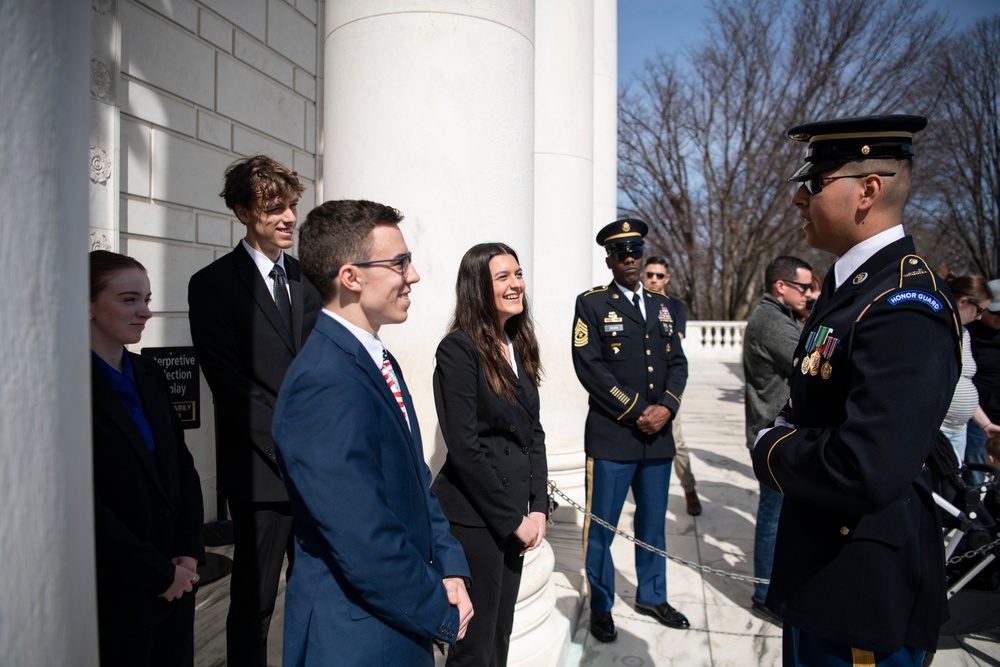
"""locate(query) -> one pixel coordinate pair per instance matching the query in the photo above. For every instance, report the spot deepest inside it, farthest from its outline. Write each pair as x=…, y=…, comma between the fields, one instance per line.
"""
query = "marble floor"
x=723, y=633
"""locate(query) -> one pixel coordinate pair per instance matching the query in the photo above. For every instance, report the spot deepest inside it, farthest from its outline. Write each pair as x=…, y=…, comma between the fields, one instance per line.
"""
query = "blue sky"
x=644, y=26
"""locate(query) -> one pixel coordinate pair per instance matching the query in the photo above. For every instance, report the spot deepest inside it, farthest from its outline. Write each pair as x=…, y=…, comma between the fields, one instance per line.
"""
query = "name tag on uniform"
x=608, y=328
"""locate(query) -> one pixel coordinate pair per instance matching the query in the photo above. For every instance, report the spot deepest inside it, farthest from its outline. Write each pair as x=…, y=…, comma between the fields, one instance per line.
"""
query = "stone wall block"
x=305, y=84
x=134, y=160
x=215, y=30
x=157, y=108
x=250, y=16
x=258, y=56
x=156, y=51
x=248, y=142
x=255, y=100
x=215, y=231
x=292, y=35
x=305, y=164
x=186, y=172
x=181, y=12
x=157, y=220
x=215, y=130
x=308, y=8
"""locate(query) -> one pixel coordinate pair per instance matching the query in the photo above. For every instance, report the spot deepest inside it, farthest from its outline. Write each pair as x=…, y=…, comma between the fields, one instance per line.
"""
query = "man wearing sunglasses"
x=858, y=574
x=628, y=356
x=655, y=277
x=768, y=347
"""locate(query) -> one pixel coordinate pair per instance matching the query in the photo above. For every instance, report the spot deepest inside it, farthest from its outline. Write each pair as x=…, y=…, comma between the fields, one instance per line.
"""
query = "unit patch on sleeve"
x=925, y=298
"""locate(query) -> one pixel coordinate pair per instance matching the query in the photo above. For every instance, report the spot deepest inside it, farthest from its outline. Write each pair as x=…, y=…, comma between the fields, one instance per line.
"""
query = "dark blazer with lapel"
x=495, y=472
x=372, y=544
x=627, y=364
x=859, y=556
x=146, y=511
x=244, y=349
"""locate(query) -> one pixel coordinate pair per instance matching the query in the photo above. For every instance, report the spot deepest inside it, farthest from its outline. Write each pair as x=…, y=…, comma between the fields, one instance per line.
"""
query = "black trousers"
x=262, y=535
x=170, y=643
x=495, y=568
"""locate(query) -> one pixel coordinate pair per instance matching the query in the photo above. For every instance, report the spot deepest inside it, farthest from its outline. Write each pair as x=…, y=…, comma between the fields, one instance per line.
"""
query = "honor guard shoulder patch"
x=902, y=296
x=580, y=337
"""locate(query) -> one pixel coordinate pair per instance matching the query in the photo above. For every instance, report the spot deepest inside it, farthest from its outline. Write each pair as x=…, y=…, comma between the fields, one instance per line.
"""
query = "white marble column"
x=605, y=127
x=428, y=108
x=47, y=592
x=564, y=213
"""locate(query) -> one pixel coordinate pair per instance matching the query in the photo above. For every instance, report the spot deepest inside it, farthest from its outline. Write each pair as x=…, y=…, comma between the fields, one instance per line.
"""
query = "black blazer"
x=147, y=508
x=244, y=349
x=495, y=472
x=627, y=364
x=859, y=557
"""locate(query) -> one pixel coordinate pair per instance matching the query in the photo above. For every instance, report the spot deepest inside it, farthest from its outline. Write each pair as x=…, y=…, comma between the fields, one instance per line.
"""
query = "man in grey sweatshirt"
x=768, y=347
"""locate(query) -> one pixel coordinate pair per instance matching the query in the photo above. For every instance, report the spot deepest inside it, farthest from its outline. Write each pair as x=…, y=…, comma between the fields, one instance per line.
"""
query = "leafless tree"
x=963, y=190
x=703, y=154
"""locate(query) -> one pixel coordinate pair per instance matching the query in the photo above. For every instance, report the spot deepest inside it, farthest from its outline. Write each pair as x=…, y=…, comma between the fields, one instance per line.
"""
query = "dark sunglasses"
x=403, y=262
x=979, y=311
x=622, y=255
x=658, y=276
x=805, y=287
x=815, y=184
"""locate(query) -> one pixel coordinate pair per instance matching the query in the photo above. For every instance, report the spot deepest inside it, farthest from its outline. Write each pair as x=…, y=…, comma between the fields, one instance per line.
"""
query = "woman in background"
x=972, y=295
x=147, y=495
x=492, y=486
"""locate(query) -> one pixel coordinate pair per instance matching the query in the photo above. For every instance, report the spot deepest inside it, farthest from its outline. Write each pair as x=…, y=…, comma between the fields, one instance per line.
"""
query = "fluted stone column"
x=564, y=213
x=429, y=107
x=47, y=592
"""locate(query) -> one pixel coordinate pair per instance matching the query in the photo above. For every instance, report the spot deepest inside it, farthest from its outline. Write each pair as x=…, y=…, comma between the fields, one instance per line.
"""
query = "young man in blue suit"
x=378, y=577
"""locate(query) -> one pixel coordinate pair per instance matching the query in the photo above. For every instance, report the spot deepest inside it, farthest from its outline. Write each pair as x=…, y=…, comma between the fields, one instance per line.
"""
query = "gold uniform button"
x=795, y=361
x=650, y=386
x=649, y=368
x=649, y=352
x=845, y=531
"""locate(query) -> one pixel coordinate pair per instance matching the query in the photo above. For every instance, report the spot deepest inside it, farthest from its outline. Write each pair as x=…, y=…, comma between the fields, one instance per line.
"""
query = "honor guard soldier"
x=628, y=356
x=858, y=573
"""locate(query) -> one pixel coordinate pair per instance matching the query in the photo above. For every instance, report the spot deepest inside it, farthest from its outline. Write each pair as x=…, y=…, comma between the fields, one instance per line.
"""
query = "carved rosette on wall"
x=100, y=165
x=102, y=6
x=100, y=81
x=99, y=241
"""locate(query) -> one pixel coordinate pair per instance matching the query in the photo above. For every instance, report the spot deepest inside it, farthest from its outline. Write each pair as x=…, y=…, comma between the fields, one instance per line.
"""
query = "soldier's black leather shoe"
x=602, y=626
x=762, y=612
x=665, y=614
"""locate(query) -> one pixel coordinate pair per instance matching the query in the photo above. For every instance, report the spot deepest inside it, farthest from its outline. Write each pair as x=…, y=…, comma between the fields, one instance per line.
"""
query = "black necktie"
x=635, y=302
x=281, y=299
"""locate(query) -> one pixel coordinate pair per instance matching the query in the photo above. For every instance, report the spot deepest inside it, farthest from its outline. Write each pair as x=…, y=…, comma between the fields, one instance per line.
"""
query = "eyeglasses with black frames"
x=979, y=311
x=402, y=262
x=815, y=184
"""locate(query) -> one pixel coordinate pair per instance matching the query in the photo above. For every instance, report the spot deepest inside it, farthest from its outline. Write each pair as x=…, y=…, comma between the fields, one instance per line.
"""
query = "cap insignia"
x=860, y=278
x=626, y=227
x=865, y=150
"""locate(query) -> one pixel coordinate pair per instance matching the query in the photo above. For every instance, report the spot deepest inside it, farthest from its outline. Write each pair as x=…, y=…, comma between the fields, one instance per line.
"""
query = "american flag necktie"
x=390, y=379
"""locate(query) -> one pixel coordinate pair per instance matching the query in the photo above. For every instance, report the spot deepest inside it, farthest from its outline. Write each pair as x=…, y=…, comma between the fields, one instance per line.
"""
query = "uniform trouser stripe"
x=586, y=519
x=862, y=658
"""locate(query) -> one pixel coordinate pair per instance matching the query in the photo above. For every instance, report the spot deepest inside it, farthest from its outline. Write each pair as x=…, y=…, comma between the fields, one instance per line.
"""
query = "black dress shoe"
x=665, y=614
x=759, y=610
x=602, y=626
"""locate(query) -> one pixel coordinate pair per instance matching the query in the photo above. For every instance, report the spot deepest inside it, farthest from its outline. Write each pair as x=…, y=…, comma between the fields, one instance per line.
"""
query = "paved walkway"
x=723, y=632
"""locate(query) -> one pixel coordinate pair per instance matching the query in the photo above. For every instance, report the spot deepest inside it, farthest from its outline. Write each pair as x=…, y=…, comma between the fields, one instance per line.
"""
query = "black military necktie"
x=635, y=302
x=281, y=299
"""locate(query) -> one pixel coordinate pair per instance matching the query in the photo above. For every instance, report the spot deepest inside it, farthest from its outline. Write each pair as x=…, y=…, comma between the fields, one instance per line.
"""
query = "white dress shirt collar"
x=372, y=343
x=852, y=260
x=629, y=294
x=264, y=263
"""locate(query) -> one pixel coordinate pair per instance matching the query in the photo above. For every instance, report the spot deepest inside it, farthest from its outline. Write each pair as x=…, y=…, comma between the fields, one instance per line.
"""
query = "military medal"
x=824, y=352
x=826, y=370
x=814, y=363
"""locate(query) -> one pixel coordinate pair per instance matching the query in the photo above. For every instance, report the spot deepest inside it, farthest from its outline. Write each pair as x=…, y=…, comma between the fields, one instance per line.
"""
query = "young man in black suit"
x=250, y=312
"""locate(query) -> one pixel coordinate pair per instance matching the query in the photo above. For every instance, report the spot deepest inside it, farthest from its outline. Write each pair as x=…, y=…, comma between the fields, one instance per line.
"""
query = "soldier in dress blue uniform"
x=628, y=356
x=859, y=566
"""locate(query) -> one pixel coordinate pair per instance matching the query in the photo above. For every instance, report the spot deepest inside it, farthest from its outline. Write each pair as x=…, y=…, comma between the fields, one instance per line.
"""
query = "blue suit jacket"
x=372, y=544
